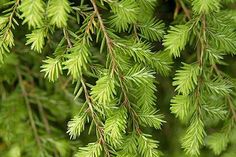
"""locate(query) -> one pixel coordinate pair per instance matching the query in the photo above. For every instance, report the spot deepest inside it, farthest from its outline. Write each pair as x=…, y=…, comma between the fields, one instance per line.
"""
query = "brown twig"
x=185, y=9
x=231, y=107
x=67, y=38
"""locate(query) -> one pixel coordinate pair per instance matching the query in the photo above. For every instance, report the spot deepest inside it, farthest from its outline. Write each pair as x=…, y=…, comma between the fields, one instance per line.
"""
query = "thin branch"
x=108, y=39
x=177, y=8
x=45, y=121
x=43, y=116
x=203, y=41
x=67, y=38
x=24, y=93
x=200, y=53
x=185, y=9
x=90, y=23
x=231, y=107
x=135, y=32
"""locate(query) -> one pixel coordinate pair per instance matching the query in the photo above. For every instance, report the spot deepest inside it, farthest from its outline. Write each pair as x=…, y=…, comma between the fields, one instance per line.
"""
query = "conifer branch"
x=97, y=122
x=13, y=13
x=110, y=50
x=95, y=119
x=228, y=97
x=6, y=35
x=108, y=39
x=115, y=67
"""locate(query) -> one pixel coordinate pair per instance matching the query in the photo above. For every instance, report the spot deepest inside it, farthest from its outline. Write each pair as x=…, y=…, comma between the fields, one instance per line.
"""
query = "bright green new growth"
x=32, y=12
x=186, y=78
x=76, y=126
x=203, y=91
x=104, y=91
x=205, y=6
x=181, y=106
x=115, y=127
x=176, y=39
x=52, y=68
x=148, y=147
x=92, y=150
x=36, y=39
x=217, y=142
x=151, y=29
x=58, y=12
x=76, y=60
x=125, y=13
x=194, y=136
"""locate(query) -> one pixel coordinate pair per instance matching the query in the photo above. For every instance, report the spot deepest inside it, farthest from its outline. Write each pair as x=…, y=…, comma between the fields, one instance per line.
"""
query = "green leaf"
x=147, y=4
x=149, y=117
x=152, y=29
x=52, y=68
x=32, y=12
x=205, y=6
x=3, y=21
x=15, y=151
x=161, y=62
x=115, y=127
x=181, y=106
x=176, y=39
x=145, y=94
x=139, y=51
x=147, y=147
x=6, y=39
x=58, y=12
x=219, y=86
x=125, y=13
x=138, y=75
x=4, y=49
x=36, y=39
x=217, y=142
x=215, y=56
x=186, y=78
x=126, y=154
x=104, y=91
x=129, y=146
x=76, y=126
x=223, y=39
x=194, y=137
x=92, y=150
x=214, y=110
x=77, y=60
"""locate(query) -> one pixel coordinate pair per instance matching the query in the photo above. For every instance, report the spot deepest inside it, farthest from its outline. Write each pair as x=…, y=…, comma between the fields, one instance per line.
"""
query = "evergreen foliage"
x=116, y=71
